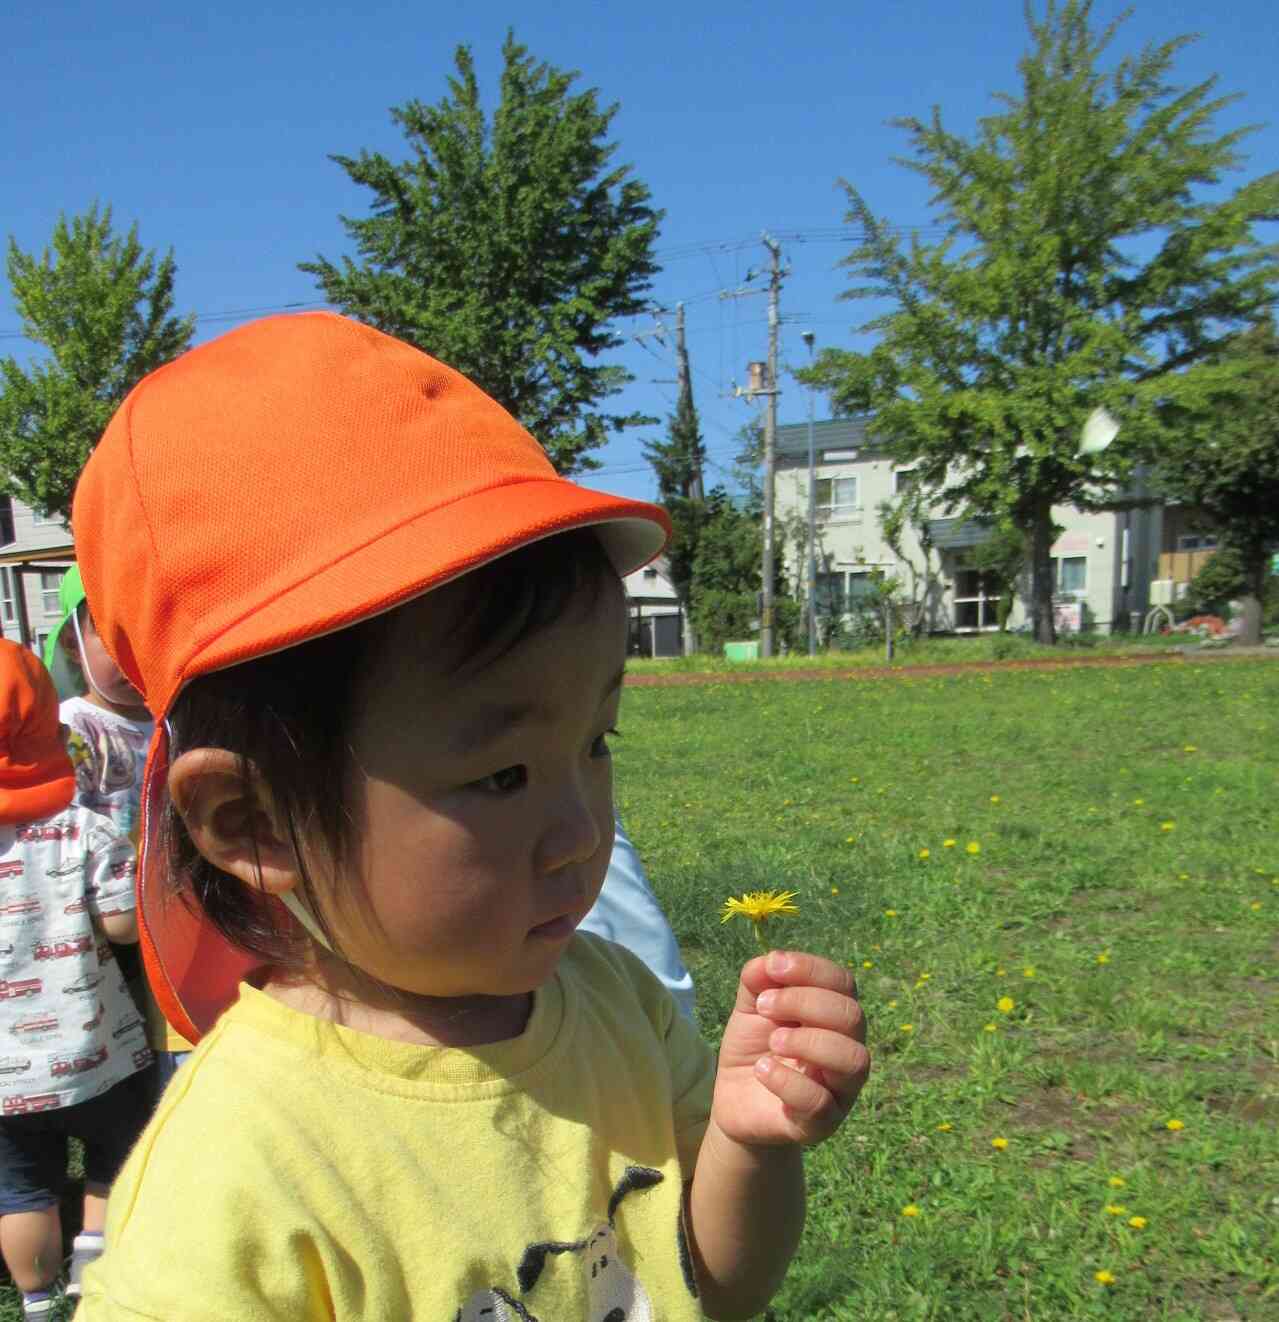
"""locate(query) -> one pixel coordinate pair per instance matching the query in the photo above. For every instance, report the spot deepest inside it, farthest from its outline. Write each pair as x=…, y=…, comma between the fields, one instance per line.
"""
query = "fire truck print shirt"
x=69, y=1029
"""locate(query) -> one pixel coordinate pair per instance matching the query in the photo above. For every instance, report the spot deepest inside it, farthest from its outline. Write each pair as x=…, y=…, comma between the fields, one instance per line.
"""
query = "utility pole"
x=809, y=338
x=766, y=629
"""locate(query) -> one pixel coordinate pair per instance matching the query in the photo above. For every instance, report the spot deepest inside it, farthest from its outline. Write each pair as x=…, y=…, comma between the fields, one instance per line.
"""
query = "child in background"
x=108, y=733
x=75, y=1062
x=384, y=645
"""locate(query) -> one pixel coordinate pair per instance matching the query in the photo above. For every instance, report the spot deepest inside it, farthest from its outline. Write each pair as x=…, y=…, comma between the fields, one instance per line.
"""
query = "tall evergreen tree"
x=1087, y=265
x=102, y=308
x=506, y=247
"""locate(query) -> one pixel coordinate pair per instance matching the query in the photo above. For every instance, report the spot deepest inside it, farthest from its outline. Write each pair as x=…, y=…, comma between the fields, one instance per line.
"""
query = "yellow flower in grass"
x=759, y=907
x=892, y=1005
x=1190, y=748
x=868, y=963
x=1115, y=1209
x=908, y=1028
x=1005, y=1004
x=1137, y=803
x=925, y=853
x=999, y=1144
x=994, y=798
x=1175, y=1125
x=1117, y=1182
x=911, y=1209
x=1137, y=1222
x=834, y=890
x=948, y=844
x=1104, y=957
x=1104, y=1277
x=990, y=1028
x=945, y=1127
x=1167, y=826
x=972, y=847
x=890, y=913
x=1028, y=972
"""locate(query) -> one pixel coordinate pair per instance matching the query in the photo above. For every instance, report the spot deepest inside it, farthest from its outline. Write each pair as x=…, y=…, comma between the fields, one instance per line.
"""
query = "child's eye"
x=599, y=745
x=506, y=781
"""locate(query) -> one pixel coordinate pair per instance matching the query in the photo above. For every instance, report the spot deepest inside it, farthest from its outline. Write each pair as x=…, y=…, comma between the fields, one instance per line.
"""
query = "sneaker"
x=85, y=1249
x=39, y=1305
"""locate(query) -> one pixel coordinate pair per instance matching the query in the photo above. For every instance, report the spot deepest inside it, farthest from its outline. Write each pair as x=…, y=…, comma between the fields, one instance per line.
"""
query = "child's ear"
x=233, y=824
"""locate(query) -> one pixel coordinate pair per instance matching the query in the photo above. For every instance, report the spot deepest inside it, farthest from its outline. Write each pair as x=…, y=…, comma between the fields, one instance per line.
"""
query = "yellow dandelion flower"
x=1255, y=906
x=854, y=780
x=1028, y=972
x=1167, y=826
x=1005, y=1004
x=908, y=1028
x=1137, y=803
x=999, y=1144
x=1115, y=1209
x=1104, y=957
x=925, y=853
x=1137, y=1222
x=990, y=1028
x=1183, y=876
x=892, y=1005
x=1175, y=1125
x=925, y=977
x=948, y=843
x=1117, y=1182
x=868, y=963
x=850, y=840
x=890, y=913
x=1104, y=1277
x=759, y=907
x=834, y=890
x=1190, y=748
x=910, y=1209
x=945, y=1127
x=1000, y=973
x=994, y=798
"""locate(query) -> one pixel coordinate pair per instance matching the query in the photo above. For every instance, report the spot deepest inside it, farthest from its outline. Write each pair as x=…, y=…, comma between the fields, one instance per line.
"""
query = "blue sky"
x=212, y=127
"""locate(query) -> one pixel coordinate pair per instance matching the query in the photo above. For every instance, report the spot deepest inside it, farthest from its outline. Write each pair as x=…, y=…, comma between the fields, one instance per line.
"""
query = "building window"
x=1070, y=573
x=7, y=533
x=50, y=582
x=976, y=599
x=7, y=603
x=903, y=480
x=836, y=497
x=1195, y=541
x=840, y=592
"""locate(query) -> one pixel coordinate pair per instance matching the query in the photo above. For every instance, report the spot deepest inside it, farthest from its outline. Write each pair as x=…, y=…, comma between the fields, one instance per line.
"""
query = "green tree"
x=679, y=463
x=1225, y=464
x=1089, y=262
x=102, y=308
x=506, y=247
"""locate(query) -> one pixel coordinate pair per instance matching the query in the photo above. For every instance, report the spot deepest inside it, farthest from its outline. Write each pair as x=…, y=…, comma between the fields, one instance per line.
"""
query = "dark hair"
x=286, y=715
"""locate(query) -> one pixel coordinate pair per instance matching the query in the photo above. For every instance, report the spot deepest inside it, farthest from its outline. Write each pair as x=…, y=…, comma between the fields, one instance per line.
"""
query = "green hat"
x=67, y=678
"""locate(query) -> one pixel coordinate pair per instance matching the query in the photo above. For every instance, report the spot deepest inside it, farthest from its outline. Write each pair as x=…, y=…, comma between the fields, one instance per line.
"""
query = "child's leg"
x=32, y=1247
x=33, y=1170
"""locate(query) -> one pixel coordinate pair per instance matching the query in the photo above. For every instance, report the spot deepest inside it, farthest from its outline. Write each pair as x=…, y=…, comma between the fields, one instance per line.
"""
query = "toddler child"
x=384, y=645
x=74, y=1060
x=108, y=731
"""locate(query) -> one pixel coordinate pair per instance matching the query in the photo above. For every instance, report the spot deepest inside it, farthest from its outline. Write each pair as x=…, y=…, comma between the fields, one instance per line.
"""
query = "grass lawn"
x=1060, y=892
x=1095, y=851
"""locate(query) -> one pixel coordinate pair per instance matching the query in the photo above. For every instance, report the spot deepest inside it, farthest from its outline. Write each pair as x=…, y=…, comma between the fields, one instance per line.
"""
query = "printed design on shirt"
x=29, y=1103
x=104, y=754
x=614, y=1293
x=29, y=835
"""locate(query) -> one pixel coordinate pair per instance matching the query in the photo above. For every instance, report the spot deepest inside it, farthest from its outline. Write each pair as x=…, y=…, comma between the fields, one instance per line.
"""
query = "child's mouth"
x=557, y=929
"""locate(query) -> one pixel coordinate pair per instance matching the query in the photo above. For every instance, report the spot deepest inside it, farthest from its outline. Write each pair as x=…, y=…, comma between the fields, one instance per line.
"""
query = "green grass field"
x=1093, y=849
x=1059, y=891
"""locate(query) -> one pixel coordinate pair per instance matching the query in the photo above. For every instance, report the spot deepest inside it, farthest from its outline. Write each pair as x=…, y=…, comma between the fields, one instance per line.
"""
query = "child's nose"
x=573, y=833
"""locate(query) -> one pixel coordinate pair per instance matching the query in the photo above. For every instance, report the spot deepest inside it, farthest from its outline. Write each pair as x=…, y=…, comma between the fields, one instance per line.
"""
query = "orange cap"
x=36, y=778
x=289, y=479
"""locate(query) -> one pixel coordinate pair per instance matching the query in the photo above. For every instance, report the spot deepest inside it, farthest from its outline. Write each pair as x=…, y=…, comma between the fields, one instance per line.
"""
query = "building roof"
x=829, y=434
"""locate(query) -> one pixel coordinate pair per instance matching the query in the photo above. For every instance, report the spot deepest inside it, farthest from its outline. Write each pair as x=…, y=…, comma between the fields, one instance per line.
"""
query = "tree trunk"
x=1041, y=586
x=1256, y=565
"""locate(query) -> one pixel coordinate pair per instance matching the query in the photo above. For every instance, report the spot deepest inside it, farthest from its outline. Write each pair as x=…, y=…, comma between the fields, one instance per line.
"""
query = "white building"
x=656, y=620
x=35, y=552
x=1103, y=563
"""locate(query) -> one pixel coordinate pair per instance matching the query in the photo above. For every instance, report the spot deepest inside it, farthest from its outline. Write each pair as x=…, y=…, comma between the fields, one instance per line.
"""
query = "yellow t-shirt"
x=298, y=1170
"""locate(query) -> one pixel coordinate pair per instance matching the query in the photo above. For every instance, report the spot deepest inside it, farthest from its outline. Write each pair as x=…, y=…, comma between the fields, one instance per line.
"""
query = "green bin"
x=741, y=651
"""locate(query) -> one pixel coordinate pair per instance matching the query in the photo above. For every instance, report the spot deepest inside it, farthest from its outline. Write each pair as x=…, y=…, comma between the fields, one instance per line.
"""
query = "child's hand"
x=793, y=1058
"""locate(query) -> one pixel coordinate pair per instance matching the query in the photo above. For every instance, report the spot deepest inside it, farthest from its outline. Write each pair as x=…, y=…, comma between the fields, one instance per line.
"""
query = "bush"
x=1217, y=584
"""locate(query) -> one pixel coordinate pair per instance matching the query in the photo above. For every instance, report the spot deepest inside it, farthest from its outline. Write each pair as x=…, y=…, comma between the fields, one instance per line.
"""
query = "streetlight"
x=808, y=337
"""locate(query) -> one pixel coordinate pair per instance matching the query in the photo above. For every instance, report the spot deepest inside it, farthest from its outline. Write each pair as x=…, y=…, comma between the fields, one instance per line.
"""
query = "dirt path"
x=908, y=671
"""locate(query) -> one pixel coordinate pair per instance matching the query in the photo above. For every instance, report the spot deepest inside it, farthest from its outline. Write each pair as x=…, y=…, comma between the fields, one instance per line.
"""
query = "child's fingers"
x=838, y=1062
x=814, y=1007
x=804, y=1095
x=787, y=968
